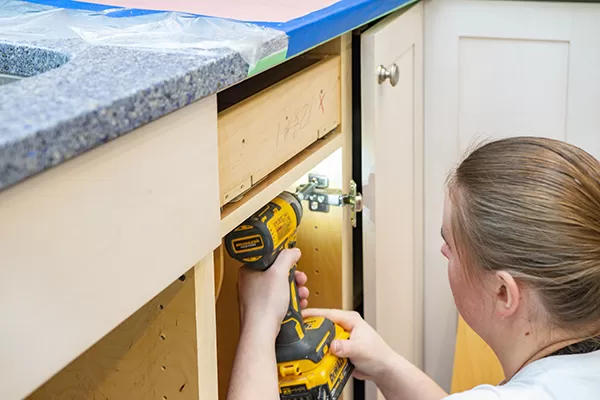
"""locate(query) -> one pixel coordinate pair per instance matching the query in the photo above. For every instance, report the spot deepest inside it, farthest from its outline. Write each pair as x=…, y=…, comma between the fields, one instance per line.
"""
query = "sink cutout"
x=24, y=61
x=5, y=78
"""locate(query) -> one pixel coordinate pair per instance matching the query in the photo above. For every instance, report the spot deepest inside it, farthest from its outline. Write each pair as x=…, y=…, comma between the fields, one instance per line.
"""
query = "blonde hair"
x=531, y=206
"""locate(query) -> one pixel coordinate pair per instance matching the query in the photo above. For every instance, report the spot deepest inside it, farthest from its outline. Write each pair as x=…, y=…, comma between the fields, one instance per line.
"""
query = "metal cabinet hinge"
x=321, y=197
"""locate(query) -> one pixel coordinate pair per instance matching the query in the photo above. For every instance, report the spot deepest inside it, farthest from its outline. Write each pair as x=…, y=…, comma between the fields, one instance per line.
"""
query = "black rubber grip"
x=292, y=327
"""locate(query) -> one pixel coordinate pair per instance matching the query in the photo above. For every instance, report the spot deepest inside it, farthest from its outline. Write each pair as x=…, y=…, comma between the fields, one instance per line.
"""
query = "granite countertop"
x=78, y=95
x=97, y=94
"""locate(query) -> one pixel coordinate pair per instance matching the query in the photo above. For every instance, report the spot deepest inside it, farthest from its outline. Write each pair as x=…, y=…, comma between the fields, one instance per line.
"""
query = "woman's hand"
x=374, y=360
x=366, y=349
x=264, y=295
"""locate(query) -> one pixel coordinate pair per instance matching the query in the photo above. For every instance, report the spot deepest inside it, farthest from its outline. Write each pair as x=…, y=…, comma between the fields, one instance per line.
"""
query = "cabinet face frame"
x=89, y=242
x=392, y=182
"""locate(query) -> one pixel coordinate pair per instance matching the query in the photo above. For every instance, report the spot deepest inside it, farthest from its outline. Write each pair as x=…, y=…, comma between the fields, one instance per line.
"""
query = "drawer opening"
x=269, y=119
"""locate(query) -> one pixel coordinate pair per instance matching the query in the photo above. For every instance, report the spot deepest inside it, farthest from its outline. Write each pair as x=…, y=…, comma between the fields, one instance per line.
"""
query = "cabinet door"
x=496, y=69
x=392, y=169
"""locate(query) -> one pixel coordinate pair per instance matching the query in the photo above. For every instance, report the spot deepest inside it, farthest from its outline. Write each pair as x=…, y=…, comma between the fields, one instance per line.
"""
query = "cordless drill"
x=307, y=370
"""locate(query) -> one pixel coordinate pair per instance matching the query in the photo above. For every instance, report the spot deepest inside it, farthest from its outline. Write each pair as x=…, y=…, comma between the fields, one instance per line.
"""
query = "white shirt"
x=566, y=377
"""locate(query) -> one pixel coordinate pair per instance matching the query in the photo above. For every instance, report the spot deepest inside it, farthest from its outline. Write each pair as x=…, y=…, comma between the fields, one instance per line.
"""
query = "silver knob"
x=393, y=74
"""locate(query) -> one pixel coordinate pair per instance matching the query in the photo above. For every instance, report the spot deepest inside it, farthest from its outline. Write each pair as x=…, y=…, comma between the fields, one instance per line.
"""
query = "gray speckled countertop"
x=79, y=96
x=83, y=91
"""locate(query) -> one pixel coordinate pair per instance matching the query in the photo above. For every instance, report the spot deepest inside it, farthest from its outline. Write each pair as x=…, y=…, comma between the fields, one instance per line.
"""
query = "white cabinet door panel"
x=511, y=87
x=496, y=69
x=392, y=148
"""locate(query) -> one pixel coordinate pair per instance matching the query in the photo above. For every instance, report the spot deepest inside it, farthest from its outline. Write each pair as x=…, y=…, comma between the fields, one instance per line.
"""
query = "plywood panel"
x=474, y=361
x=320, y=239
x=151, y=355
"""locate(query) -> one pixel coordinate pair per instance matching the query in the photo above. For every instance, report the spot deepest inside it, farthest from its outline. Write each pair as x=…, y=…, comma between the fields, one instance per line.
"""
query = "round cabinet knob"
x=392, y=73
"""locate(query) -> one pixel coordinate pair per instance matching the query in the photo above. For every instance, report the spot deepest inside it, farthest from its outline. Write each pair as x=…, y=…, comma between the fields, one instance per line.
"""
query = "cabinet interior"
x=320, y=241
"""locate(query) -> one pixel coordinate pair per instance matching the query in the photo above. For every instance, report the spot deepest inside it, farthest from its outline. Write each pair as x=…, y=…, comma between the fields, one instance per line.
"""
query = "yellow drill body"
x=307, y=370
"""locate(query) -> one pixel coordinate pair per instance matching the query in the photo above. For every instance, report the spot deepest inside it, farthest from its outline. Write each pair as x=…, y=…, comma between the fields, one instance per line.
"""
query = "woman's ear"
x=508, y=294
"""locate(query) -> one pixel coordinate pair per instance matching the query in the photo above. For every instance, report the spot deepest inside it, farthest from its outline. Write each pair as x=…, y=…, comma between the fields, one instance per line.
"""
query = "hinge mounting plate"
x=320, y=197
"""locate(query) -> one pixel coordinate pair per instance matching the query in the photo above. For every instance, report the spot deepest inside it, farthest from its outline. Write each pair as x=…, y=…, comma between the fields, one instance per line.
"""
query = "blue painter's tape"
x=130, y=12
x=322, y=25
x=77, y=5
x=81, y=5
x=303, y=33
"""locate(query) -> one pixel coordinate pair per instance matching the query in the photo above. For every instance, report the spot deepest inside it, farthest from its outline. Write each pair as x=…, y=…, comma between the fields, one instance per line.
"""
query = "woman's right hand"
x=367, y=351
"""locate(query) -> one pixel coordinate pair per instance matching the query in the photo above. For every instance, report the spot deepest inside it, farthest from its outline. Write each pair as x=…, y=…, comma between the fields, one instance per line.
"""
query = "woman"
x=521, y=231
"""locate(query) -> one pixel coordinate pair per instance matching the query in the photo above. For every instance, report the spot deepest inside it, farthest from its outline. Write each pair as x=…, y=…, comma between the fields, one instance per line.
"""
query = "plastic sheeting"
x=20, y=20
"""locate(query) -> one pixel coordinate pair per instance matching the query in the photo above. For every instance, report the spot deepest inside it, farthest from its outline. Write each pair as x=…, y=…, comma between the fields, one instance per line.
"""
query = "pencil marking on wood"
x=293, y=124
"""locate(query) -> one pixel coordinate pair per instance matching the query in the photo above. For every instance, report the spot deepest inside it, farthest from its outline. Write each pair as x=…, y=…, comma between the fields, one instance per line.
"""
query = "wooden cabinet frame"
x=125, y=305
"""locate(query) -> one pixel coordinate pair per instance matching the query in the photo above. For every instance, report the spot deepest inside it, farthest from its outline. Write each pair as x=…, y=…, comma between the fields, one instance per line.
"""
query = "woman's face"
x=468, y=294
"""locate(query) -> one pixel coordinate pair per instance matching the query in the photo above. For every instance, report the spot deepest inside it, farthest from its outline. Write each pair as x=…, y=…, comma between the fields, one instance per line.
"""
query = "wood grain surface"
x=151, y=355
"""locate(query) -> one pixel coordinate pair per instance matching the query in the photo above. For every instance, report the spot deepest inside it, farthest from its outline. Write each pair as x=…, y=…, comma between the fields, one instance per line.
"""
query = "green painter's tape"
x=268, y=62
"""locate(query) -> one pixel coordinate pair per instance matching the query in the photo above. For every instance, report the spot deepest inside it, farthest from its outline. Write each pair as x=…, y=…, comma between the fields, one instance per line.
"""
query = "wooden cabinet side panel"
x=86, y=244
x=206, y=328
x=151, y=355
x=228, y=323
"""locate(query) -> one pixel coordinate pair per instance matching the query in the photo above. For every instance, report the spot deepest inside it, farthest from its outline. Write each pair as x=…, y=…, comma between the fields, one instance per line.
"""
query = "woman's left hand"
x=264, y=295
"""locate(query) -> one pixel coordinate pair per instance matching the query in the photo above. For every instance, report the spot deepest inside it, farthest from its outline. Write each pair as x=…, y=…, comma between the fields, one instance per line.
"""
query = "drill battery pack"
x=323, y=380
